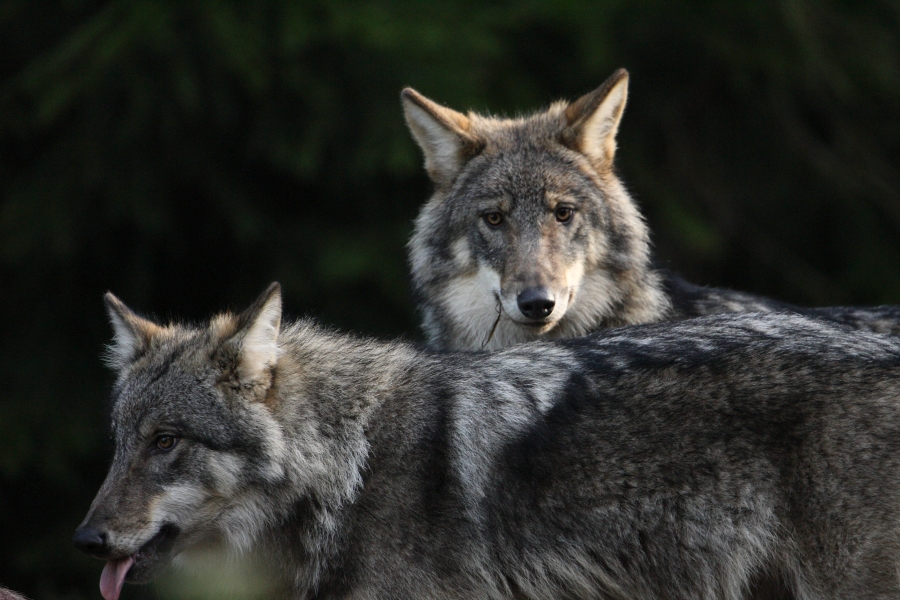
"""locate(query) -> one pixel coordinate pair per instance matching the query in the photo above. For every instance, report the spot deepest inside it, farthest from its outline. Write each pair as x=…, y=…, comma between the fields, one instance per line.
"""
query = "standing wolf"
x=667, y=461
x=530, y=234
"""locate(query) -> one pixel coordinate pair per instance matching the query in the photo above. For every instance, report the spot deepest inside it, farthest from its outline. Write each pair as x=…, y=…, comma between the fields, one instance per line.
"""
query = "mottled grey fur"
x=467, y=273
x=666, y=461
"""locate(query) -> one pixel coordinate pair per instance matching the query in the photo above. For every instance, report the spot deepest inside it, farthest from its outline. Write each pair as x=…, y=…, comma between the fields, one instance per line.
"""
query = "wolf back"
x=665, y=461
x=530, y=234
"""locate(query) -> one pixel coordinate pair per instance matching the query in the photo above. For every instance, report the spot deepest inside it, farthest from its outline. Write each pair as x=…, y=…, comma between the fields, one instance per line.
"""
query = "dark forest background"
x=185, y=154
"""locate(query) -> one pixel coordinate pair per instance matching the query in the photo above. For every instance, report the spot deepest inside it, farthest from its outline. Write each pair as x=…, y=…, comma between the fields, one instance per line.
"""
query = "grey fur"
x=666, y=461
x=467, y=274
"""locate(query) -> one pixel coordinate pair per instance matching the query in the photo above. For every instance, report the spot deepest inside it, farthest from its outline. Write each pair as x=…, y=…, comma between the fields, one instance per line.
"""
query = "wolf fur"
x=530, y=234
x=666, y=461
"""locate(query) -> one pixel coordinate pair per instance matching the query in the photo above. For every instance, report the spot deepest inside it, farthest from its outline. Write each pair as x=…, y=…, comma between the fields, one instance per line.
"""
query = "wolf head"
x=195, y=440
x=529, y=232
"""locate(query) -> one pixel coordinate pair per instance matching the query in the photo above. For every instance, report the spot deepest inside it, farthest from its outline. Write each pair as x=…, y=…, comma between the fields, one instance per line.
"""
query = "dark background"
x=185, y=154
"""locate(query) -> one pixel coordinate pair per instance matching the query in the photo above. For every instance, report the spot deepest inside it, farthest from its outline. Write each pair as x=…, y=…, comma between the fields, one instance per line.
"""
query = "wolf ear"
x=259, y=327
x=443, y=134
x=593, y=120
x=132, y=333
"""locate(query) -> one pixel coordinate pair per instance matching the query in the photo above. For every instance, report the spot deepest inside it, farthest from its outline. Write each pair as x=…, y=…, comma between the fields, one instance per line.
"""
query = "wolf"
x=670, y=461
x=530, y=234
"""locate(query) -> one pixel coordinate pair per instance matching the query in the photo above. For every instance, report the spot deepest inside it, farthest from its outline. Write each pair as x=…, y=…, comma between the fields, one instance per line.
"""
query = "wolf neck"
x=327, y=386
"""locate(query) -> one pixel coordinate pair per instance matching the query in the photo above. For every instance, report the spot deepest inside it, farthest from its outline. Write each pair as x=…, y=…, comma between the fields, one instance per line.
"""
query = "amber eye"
x=493, y=218
x=166, y=442
x=564, y=214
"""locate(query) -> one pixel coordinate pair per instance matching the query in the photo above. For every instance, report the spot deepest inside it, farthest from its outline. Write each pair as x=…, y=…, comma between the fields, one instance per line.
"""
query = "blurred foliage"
x=185, y=154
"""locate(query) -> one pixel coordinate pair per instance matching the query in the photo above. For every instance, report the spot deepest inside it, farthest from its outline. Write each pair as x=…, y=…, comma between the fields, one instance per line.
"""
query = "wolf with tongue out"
x=673, y=461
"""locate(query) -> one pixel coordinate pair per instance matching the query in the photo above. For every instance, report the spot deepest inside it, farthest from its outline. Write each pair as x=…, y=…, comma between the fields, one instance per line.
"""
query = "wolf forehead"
x=173, y=382
x=546, y=174
x=538, y=140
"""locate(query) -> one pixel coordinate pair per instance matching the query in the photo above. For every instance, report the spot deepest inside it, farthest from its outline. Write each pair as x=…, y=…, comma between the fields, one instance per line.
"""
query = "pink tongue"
x=113, y=577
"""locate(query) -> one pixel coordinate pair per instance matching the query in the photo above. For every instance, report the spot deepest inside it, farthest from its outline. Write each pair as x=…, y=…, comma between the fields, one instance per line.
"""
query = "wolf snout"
x=92, y=541
x=536, y=302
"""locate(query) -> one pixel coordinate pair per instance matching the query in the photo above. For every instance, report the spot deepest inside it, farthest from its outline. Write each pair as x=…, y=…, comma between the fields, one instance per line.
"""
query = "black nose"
x=91, y=541
x=536, y=302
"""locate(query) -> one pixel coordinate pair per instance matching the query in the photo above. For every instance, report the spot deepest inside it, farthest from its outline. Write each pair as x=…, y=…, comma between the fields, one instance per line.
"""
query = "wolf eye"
x=166, y=442
x=493, y=218
x=564, y=214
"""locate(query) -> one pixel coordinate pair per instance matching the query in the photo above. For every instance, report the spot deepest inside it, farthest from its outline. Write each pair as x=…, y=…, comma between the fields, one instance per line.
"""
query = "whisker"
x=494, y=327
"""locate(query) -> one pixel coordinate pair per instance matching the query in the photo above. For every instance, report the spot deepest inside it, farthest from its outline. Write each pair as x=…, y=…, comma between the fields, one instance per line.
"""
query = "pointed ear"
x=593, y=120
x=132, y=333
x=443, y=134
x=259, y=327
